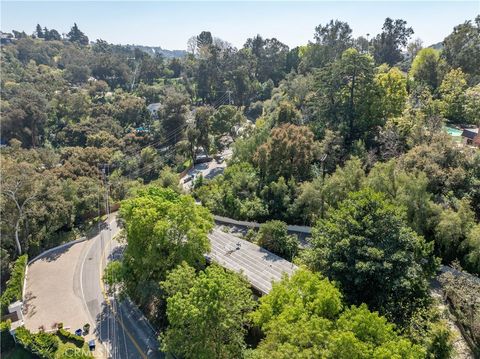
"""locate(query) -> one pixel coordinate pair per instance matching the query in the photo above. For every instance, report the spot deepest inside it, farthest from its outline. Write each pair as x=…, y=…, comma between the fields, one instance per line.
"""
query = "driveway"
x=208, y=169
x=51, y=295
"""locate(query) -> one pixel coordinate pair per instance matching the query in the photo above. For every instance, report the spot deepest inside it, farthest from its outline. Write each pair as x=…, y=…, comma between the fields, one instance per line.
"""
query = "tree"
x=452, y=91
x=207, y=313
x=273, y=236
x=289, y=151
x=461, y=48
x=393, y=91
x=39, y=32
x=346, y=97
x=405, y=189
x=204, y=39
x=367, y=240
x=334, y=38
x=173, y=114
x=52, y=35
x=20, y=187
x=75, y=35
x=303, y=317
x=427, y=68
x=331, y=40
x=388, y=44
x=472, y=105
x=270, y=58
x=24, y=116
x=163, y=229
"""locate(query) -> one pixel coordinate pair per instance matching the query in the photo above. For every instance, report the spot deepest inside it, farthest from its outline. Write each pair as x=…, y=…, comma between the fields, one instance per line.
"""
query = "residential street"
x=72, y=293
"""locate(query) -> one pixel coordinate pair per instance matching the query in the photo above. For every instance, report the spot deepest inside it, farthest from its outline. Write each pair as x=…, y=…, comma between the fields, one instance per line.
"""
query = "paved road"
x=64, y=285
x=119, y=326
x=258, y=265
x=208, y=169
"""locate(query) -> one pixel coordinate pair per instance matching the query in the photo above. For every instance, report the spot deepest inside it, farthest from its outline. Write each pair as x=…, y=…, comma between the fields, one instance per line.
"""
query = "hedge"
x=65, y=335
x=14, y=288
x=6, y=340
x=41, y=344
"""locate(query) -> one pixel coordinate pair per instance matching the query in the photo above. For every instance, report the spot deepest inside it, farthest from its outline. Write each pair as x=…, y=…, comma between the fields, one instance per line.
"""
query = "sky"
x=171, y=24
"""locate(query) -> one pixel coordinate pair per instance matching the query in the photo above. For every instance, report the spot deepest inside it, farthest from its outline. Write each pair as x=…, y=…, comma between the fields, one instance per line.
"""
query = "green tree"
x=303, y=317
x=19, y=189
x=346, y=97
x=163, y=229
x=472, y=105
x=393, y=92
x=289, y=151
x=452, y=91
x=427, y=68
x=367, y=240
x=207, y=313
x=76, y=35
x=461, y=50
x=387, y=46
x=273, y=236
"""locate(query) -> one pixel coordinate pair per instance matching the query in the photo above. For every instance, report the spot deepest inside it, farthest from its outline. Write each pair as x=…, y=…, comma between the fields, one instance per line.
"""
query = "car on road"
x=188, y=178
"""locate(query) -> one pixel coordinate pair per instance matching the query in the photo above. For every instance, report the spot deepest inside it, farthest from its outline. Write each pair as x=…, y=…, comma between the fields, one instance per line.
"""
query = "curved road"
x=121, y=327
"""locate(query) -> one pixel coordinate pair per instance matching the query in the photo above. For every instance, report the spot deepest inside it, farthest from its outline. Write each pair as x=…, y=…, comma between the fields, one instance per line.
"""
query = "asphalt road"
x=121, y=328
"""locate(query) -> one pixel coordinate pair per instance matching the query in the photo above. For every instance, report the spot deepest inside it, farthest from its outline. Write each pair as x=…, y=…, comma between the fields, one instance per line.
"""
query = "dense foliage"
x=344, y=134
x=160, y=223
x=207, y=313
x=367, y=247
x=14, y=286
x=304, y=317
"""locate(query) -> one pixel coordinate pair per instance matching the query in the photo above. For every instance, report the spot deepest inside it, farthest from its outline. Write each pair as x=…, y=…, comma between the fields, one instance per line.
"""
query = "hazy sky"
x=170, y=24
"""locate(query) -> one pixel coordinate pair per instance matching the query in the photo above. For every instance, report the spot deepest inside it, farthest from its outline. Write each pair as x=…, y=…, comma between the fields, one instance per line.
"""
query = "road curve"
x=120, y=327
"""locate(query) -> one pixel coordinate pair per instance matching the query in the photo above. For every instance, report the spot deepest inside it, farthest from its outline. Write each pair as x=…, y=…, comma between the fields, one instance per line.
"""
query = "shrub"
x=273, y=236
x=13, y=290
x=6, y=339
x=66, y=336
x=41, y=344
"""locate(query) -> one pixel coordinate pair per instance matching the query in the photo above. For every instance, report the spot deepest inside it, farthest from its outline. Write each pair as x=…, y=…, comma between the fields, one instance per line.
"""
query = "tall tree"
x=335, y=37
x=367, y=240
x=346, y=97
x=76, y=35
x=289, y=151
x=303, y=317
x=207, y=313
x=427, y=68
x=39, y=32
x=19, y=188
x=161, y=224
x=462, y=48
x=387, y=46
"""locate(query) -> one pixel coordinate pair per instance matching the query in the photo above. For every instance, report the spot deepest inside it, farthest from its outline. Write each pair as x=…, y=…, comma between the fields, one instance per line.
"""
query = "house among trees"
x=153, y=109
x=471, y=137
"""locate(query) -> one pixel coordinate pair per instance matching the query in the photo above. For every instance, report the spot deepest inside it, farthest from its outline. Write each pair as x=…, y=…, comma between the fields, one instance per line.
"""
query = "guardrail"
x=291, y=228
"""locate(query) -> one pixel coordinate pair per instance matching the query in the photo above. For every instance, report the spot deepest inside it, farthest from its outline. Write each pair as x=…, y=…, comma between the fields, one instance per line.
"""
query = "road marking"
x=107, y=300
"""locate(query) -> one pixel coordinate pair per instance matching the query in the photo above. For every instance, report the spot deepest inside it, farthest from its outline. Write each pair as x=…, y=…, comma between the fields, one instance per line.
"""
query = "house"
x=471, y=137
x=153, y=109
x=6, y=38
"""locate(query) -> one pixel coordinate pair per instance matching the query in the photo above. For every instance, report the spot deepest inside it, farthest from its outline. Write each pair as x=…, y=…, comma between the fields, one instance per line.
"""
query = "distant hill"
x=152, y=50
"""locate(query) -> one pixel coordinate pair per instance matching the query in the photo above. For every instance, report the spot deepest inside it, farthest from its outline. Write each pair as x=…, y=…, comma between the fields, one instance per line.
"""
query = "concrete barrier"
x=230, y=221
